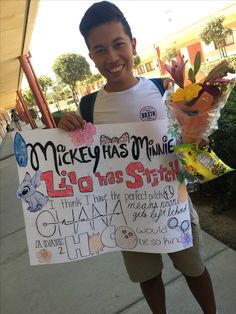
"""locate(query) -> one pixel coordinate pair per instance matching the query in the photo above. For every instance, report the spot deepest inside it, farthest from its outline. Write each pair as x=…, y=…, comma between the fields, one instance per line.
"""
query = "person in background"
x=9, y=128
x=111, y=47
x=15, y=118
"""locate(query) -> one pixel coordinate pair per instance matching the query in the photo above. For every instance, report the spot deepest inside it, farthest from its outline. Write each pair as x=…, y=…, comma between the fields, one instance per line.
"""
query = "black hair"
x=100, y=13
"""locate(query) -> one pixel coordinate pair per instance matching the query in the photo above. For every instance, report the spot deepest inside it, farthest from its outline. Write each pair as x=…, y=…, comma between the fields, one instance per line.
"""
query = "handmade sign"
x=101, y=189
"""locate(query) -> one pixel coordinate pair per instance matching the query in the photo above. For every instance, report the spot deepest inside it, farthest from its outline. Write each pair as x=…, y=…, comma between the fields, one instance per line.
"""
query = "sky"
x=56, y=29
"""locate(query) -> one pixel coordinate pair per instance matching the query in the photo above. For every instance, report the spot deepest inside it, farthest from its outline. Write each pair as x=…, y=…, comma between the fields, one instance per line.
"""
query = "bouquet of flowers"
x=195, y=107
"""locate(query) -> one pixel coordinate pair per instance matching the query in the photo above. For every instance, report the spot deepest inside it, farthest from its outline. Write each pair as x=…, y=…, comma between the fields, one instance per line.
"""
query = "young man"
x=111, y=46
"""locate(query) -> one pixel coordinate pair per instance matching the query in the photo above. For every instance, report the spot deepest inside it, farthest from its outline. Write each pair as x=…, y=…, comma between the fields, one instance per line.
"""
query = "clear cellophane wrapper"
x=190, y=122
x=197, y=119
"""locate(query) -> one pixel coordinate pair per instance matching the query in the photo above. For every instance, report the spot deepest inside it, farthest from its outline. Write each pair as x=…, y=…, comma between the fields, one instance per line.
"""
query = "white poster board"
x=102, y=189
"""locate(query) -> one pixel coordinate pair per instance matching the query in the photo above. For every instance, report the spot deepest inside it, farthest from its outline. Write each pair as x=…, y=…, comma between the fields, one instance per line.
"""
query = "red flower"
x=177, y=71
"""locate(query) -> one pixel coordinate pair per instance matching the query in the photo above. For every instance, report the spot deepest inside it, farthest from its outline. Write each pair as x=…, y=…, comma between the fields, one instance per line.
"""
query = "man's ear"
x=134, y=43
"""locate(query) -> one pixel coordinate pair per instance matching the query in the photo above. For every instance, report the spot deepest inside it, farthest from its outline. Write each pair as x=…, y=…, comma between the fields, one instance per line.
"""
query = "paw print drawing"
x=126, y=238
x=27, y=191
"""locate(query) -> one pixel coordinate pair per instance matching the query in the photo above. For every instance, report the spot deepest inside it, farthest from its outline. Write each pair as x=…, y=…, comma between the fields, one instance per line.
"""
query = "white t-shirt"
x=142, y=102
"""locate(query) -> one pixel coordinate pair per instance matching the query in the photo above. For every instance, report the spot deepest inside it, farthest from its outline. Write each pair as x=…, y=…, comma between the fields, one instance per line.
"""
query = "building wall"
x=187, y=41
x=149, y=66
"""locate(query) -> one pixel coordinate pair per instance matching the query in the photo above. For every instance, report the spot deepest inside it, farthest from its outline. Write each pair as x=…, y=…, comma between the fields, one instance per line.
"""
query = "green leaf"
x=191, y=75
x=197, y=62
x=181, y=176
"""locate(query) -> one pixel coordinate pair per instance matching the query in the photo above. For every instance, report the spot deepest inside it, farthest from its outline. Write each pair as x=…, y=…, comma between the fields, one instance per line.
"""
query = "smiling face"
x=112, y=51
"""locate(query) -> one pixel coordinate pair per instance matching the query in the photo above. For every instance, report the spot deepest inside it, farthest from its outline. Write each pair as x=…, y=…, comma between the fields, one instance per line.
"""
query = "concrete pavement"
x=97, y=285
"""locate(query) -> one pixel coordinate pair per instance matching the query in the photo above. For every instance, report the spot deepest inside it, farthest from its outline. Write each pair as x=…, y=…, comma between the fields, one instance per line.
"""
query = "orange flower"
x=187, y=93
x=44, y=256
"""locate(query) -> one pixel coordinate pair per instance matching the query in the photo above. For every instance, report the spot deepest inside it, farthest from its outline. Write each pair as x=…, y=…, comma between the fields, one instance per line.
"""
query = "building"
x=187, y=42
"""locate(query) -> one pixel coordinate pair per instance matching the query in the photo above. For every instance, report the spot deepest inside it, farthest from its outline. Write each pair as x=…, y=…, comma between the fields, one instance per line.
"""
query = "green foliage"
x=208, y=65
x=33, y=113
x=93, y=78
x=71, y=67
x=28, y=97
x=137, y=61
x=191, y=75
x=215, y=31
x=57, y=94
x=169, y=54
x=197, y=64
x=71, y=101
x=224, y=188
x=66, y=92
x=45, y=82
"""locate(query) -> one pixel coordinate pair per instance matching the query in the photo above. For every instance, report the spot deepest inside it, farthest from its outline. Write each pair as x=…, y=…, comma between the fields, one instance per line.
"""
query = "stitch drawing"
x=27, y=191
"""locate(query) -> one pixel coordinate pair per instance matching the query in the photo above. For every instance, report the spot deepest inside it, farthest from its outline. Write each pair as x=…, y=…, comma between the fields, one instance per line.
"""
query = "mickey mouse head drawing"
x=27, y=191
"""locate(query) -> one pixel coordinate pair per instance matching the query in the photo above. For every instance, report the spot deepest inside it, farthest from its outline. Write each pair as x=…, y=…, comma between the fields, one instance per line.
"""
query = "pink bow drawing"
x=104, y=140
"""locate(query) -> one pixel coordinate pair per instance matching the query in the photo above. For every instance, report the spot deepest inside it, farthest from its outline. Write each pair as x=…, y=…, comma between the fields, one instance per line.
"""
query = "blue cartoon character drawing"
x=27, y=191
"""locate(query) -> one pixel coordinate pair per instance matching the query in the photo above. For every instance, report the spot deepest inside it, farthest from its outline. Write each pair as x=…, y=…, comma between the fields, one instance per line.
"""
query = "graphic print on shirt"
x=148, y=113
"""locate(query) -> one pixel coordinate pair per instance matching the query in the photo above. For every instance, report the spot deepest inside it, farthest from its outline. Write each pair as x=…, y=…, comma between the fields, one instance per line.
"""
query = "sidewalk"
x=98, y=285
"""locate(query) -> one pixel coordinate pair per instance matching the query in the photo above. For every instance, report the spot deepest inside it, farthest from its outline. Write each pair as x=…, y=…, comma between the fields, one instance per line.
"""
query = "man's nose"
x=112, y=56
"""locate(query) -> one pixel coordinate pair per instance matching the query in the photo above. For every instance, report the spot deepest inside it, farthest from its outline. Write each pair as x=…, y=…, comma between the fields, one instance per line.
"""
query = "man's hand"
x=71, y=121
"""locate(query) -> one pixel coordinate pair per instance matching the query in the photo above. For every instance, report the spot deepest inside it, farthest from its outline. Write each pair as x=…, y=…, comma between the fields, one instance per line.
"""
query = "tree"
x=45, y=82
x=216, y=32
x=70, y=68
x=60, y=91
x=56, y=94
x=92, y=79
x=169, y=54
x=137, y=61
x=28, y=97
x=66, y=92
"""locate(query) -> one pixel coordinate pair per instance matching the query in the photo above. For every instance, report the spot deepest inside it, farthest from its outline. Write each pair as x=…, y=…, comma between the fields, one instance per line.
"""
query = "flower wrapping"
x=194, y=109
x=195, y=106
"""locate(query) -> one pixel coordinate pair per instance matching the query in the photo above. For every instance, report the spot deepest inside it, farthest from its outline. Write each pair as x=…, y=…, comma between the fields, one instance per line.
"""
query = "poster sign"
x=101, y=189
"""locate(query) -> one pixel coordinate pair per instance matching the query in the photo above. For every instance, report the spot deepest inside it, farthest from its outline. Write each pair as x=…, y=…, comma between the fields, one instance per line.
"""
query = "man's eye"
x=119, y=45
x=99, y=52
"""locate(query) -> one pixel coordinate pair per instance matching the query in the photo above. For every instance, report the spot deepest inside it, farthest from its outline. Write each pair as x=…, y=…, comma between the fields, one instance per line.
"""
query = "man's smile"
x=116, y=69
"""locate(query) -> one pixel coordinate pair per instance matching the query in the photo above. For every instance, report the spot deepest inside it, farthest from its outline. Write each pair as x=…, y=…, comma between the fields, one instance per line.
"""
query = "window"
x=140, y=69
x=149, y=66
x=229, y=40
